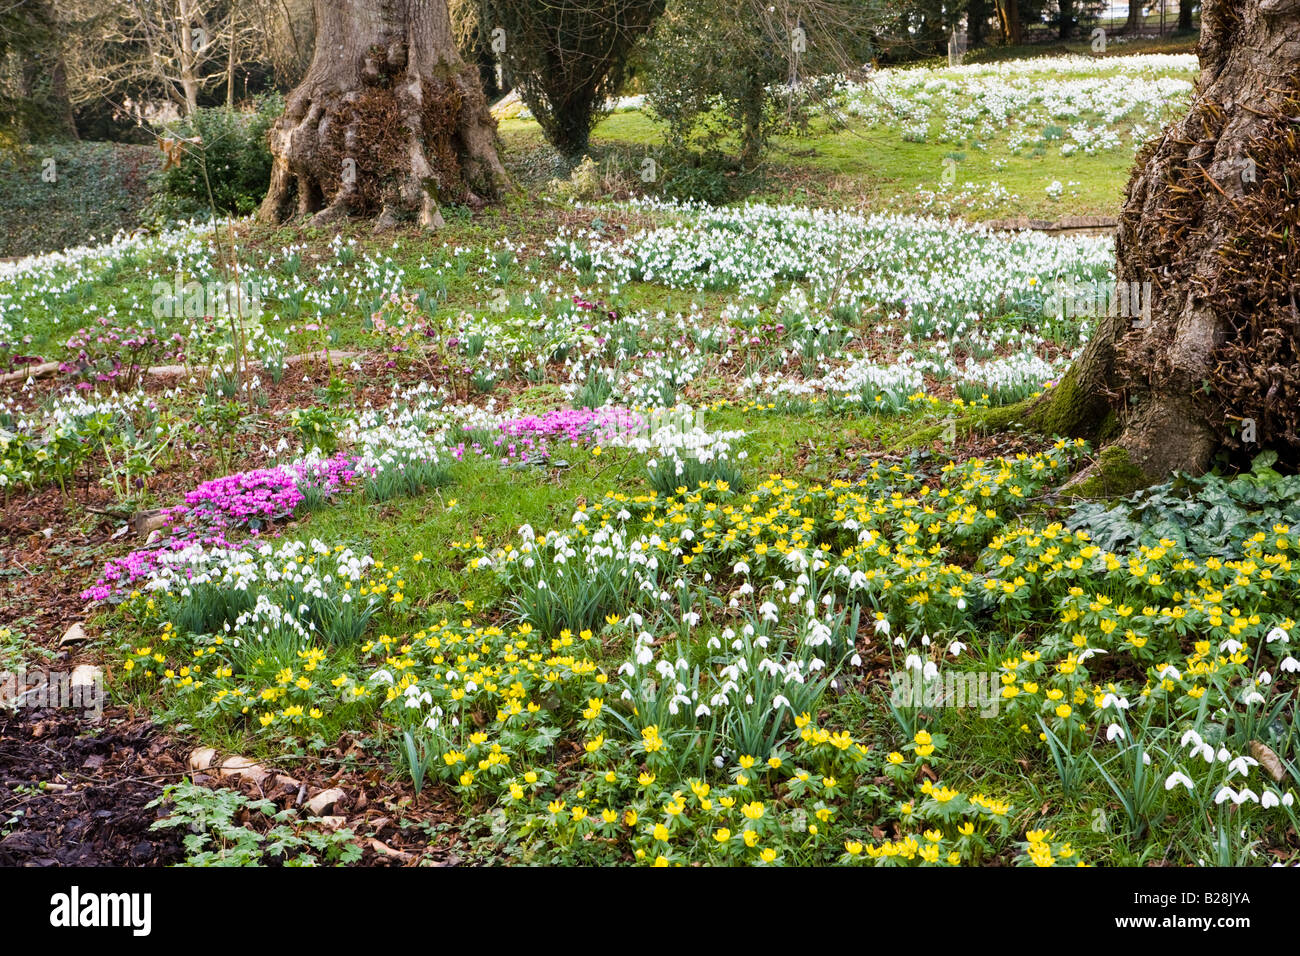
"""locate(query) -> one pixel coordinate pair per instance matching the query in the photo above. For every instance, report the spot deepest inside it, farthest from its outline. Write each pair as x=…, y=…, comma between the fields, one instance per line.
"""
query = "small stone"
x=76, y=634
x=147, y=522
x=201, y=759
x=243, y=768
x=324, y=801
x=87, y=675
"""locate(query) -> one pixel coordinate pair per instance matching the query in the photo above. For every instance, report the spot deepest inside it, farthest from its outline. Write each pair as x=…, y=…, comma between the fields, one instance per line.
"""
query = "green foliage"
x=709, y=178
x=1209, y=516
x=725, y=76
x=216, y=839
x=225, y=163
x=58, y=195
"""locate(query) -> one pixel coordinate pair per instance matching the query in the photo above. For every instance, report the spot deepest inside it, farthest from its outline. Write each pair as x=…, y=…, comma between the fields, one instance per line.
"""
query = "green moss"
x=1070, y=410
x=1114, y=475
x=975, y=420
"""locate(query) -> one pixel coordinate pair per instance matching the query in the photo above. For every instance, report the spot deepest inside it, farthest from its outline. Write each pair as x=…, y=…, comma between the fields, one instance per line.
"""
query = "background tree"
x=177, y=49
x=722, y=70
x=1212, y=221
x=34, y=99
x=1066, y=21
x=1009, y=17
x=566, y=57
x=388, y=122
x=1135, y=21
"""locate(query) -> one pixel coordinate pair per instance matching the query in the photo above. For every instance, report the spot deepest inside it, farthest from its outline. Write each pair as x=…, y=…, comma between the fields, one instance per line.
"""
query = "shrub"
x=225, y=162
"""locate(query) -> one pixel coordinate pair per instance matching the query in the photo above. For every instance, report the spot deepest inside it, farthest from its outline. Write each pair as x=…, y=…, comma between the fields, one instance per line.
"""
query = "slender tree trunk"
x=189, y=79
x=1185, y=15
x=230, y=62
x=1212, y=222
x=1009, y=15
x=388, y=122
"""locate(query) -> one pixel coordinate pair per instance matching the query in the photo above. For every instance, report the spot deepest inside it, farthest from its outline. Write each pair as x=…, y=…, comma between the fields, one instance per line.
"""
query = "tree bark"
x=1009, y=15
x=388, y=122
x=1066, y=29
x=977, y=15
x=1210, y=221
x=1134, y=22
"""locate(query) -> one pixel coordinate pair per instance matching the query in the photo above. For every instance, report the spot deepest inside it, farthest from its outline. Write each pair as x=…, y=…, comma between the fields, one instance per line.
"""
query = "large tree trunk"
x=977, y=15
x=388, y=122
x=1134, y=22
x=1212, y=221
x=1067, y=19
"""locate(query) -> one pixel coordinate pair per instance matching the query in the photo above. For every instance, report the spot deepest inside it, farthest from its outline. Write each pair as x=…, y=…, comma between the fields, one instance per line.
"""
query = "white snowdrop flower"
x=1269, y=799
x=1230, y=646
x=882, y=626
x=931, y=671
x=956, y=647
x=1242, y=766
x=1190, y=737
x=912, y=663
x=1110, y=700
x=778, y=702
x=856, y=660
x=1277, y=634
x=1176, y=778
x=1113, y=731
x=1289, y=665
x=1169, y=671
x=1252, y=697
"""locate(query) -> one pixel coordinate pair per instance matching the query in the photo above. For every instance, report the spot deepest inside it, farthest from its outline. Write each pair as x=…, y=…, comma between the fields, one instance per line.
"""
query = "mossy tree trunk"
x=389, y=122
x=1212, y=221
